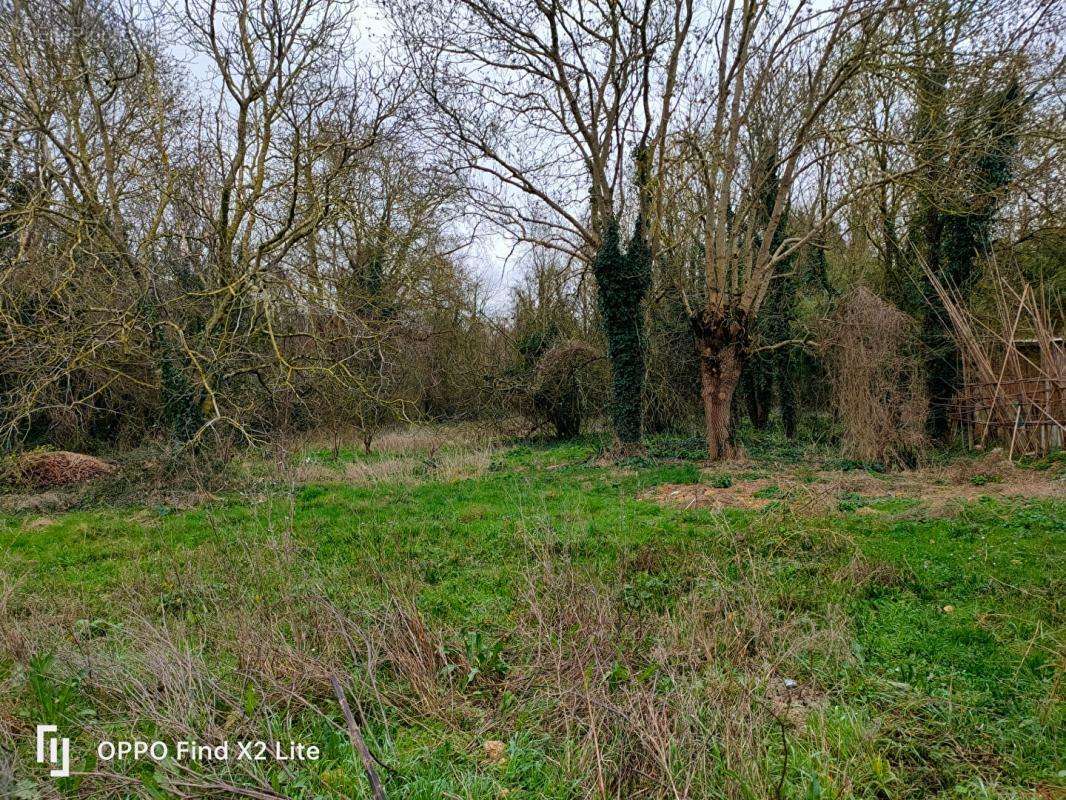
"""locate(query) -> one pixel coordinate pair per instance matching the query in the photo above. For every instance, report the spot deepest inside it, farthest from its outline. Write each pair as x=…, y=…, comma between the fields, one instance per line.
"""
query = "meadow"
x=535, y=620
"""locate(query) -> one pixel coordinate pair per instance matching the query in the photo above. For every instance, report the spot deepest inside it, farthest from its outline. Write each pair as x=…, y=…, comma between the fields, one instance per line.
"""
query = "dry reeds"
x=1014, y=363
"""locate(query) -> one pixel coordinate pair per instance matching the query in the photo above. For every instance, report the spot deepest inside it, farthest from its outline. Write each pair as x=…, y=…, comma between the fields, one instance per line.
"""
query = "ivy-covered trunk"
x=721, y=343
x=622, y=280
x=948, y=240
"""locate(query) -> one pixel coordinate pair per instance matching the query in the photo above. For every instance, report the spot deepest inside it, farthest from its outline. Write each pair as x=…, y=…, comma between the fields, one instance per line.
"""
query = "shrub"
x=874, y=361
x=569, y=381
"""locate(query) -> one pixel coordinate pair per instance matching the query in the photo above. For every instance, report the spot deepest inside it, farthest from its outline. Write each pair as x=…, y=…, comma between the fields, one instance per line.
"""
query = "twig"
x=806, y=342
x=1014, y=434
x=357, y=741
x=784, y=755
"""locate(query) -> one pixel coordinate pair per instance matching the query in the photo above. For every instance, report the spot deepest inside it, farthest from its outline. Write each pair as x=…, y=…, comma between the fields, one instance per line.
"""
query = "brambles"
x=875, y=366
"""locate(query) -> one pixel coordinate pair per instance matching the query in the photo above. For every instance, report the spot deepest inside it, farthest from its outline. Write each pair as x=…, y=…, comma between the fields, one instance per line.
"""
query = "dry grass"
x=411, y=455
x=446, y=466
x=938, y=490
x=662, y=703
x=410, y=440
x=654, y=704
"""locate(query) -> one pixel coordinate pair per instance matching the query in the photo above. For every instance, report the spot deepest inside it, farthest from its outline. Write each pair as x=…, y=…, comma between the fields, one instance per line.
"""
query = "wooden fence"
x=1026, y=414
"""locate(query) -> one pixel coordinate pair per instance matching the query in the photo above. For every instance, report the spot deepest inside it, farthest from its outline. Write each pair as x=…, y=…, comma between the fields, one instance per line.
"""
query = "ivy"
x=622, y=281
x=952, y=240
x=181, y=412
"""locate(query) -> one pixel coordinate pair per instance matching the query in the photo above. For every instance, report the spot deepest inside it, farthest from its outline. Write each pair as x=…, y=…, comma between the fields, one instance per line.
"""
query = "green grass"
x=911, y=700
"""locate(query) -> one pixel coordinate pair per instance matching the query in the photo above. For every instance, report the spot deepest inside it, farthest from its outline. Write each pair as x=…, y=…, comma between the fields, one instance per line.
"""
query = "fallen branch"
x=357, y=741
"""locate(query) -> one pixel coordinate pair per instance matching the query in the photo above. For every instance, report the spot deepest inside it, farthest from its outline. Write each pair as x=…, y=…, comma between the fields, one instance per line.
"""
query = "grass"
x=617, y=647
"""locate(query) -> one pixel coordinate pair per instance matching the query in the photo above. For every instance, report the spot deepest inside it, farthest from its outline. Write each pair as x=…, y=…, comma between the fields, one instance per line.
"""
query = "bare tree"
x=761, y=116
x=159, y=248
x=93, y=127
x=548, y=106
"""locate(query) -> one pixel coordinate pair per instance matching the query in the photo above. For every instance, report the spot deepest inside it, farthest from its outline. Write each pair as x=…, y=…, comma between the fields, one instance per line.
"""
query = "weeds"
x=544, y=632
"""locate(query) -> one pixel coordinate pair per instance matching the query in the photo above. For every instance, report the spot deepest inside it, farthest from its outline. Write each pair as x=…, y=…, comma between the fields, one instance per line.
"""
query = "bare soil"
x=794, y=703
x=937, y=490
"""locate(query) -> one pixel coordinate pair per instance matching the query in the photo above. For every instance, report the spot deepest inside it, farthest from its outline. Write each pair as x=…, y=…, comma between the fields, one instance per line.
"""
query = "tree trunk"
x=721, y=341
x=786, y=390
x=759, y=409
x=943, y=375
x=622, y=280
x=757, y=386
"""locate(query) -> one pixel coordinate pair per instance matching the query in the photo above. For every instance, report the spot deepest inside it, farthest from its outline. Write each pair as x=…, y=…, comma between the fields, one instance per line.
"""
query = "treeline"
x=271, y=225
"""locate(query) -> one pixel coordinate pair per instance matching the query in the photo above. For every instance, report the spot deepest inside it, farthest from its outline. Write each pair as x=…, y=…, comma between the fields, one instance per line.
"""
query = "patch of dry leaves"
x=937, y=489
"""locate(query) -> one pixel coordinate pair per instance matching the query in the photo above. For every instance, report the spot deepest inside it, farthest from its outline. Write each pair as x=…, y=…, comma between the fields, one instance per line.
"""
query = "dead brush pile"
x=874, y=360
x=45, y=469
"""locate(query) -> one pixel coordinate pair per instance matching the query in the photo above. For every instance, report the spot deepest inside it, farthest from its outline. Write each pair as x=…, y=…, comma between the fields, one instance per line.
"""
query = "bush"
x=570, y=380
x=874, y=361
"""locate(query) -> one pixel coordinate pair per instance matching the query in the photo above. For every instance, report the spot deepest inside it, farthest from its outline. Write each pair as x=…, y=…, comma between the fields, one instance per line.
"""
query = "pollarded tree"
x=777, y=72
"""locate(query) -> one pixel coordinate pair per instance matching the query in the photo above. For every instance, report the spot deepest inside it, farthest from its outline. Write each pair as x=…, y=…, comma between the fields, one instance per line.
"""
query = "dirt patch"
x=936, y=490
x=696, y=495
x=39, y=523
x=794, y=703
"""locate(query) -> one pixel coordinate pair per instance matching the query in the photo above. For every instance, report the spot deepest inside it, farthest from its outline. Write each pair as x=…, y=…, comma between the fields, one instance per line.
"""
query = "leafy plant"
x=850, y=501
x=645, y=592
x=485, y=657
x=770, y=492
x=55, y=698
x=721, y=480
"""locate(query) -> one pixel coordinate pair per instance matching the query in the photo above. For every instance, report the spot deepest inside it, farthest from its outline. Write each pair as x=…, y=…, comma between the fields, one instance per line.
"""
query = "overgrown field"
x=535, y=621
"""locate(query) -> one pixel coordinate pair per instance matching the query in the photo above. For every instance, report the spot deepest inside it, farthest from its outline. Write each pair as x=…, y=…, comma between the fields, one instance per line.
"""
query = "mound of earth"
x=60, y=468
